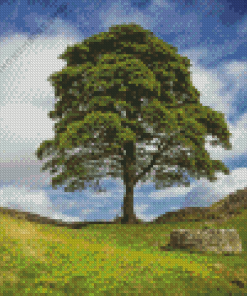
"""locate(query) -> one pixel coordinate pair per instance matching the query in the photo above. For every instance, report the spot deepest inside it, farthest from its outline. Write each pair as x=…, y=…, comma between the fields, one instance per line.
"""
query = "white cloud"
x=170, y=192
x=238, y=140
x=207, y=193
x=35, y=202
x=117, y=15
x=26, y=94
x=210, y=84
x=162, y=3
x=27, y=97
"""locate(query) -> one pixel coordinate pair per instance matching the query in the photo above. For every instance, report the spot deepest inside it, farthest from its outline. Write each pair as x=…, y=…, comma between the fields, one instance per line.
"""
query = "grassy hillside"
x=228, y=207
x=111, y=259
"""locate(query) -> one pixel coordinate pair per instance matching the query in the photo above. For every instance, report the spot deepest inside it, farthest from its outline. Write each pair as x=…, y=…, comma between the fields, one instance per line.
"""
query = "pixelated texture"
x=122, y=88
x=212, y=240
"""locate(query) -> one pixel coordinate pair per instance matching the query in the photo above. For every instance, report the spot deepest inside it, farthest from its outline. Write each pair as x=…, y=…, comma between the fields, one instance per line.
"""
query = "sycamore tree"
x=121, y=91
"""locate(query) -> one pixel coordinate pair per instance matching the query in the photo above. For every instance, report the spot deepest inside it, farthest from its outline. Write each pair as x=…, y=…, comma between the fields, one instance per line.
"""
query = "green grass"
x=110, y=259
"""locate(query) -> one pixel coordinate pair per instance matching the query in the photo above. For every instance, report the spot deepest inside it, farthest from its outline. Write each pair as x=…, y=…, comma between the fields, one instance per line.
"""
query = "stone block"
x=207, y=240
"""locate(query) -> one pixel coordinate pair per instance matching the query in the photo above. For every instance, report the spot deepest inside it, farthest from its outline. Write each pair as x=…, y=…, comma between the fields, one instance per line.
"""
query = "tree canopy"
x=120, y=91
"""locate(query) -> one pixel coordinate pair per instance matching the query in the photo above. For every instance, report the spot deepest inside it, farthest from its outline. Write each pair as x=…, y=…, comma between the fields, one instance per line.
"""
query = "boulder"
x=207, y=240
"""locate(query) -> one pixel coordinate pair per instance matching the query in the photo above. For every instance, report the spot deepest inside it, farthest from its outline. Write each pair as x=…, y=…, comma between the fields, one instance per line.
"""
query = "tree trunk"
x=129, y=216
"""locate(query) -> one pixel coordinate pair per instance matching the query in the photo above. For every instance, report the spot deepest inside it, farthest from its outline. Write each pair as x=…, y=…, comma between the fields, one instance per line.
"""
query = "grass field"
x=41, y=259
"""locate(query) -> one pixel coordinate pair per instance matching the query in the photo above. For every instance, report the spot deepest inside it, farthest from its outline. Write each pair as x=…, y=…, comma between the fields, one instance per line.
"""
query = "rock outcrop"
x=207, y=240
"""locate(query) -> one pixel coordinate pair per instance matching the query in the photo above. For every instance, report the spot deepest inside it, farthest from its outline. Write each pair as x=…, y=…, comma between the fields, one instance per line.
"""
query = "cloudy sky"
x=212, y=34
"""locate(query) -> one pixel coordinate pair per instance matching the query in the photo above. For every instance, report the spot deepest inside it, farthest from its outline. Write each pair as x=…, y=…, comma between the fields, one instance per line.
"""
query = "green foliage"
x=116, y=86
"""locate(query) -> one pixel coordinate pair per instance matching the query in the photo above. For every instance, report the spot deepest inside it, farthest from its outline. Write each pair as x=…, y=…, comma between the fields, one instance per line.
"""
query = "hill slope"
x=222, y=210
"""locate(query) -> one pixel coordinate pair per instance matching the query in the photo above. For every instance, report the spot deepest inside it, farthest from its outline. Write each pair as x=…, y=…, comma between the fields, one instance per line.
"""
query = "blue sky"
x=212, y=34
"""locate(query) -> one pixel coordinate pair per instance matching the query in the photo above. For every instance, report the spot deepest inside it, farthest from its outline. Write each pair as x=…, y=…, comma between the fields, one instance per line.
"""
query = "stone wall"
x=208, y=240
